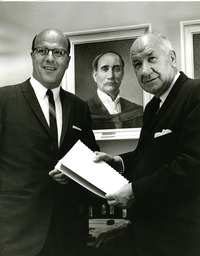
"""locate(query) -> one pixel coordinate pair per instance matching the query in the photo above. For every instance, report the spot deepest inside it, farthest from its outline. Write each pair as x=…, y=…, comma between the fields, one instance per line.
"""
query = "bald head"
x=151, y=39
x=53, y=34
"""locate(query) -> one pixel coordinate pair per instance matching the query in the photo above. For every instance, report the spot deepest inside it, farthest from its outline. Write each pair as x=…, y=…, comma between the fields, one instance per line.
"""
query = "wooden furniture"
x=107, y=237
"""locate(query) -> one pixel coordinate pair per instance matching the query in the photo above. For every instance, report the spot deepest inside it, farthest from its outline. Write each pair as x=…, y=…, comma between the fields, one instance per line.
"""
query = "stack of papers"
x=100, y=178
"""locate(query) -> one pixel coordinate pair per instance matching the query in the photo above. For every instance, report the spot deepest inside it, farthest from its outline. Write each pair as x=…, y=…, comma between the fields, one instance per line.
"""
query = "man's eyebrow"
x=136, y=58
x=104, y=66
x=149, y=52
x=117, y=65
x=139, y=56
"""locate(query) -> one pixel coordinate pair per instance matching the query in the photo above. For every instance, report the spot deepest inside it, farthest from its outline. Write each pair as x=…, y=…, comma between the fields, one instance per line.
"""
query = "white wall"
x=20, y=21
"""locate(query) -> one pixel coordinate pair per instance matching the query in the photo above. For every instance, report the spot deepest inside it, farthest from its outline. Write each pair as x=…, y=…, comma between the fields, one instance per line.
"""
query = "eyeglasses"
x=43, y=51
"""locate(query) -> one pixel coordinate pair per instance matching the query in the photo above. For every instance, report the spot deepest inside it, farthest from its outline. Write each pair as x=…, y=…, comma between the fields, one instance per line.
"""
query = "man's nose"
x=50, y=55
x=110, y=73
x=146, y=69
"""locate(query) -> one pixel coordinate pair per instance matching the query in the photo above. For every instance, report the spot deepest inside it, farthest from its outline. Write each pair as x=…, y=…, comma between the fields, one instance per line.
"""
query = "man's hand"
x=122, y=198
x=114, y=161
x=59, y=176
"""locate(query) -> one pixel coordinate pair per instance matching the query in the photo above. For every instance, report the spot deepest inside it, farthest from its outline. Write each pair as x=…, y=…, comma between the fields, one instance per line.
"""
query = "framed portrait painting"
x=85, y=46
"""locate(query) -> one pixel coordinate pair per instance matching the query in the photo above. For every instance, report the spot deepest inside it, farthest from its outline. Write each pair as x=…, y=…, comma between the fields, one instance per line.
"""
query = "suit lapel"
x=31, y=98
x=66, y=112
x=100, y=106
x=170, y=98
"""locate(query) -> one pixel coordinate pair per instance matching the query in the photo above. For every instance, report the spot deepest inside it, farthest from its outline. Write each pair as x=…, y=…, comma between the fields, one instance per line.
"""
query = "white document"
x=99, y=177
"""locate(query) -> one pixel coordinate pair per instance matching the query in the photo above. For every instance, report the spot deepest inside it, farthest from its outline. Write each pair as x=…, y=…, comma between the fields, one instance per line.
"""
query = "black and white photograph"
x=99, y=128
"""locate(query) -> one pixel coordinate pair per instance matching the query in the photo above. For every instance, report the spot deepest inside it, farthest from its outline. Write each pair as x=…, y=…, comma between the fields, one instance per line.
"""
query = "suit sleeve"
x=129, y=160
x=1, y=122
x=87, y=133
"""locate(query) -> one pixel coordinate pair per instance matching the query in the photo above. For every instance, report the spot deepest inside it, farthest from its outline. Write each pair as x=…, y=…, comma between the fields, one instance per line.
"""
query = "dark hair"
x=33, y=43
x=68, y=43
x=96, y=59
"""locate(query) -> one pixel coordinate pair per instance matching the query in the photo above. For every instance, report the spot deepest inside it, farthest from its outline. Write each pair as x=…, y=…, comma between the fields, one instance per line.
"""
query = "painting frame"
x=103, y=36
x=188, y=29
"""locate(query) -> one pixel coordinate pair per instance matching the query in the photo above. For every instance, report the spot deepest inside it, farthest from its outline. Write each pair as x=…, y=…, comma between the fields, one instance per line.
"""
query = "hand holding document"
x=98, y=177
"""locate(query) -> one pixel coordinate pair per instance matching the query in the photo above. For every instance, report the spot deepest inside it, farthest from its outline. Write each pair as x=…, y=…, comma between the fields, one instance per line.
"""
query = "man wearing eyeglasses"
x=42, y=212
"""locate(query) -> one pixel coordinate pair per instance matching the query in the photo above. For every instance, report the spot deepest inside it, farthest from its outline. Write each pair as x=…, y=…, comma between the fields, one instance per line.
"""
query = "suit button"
x=52, y=148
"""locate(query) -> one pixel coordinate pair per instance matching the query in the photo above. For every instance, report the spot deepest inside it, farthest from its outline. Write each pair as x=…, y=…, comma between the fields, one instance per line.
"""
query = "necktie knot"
x=154, y=106
x=151, y=110
x=158, y=100
x=50, y=95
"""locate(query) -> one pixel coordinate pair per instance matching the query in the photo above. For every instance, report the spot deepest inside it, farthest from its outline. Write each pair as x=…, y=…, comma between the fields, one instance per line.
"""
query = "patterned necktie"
x=52, y=116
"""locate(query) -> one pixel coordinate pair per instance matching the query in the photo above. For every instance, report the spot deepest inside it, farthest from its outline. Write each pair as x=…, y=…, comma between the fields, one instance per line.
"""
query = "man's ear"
x=31, y=53
x=94, y=74
x=69, y=58
x=173, y=58
x=123, y=74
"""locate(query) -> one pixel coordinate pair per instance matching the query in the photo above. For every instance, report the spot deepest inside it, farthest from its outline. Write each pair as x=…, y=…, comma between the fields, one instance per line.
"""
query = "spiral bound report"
x=100, y=178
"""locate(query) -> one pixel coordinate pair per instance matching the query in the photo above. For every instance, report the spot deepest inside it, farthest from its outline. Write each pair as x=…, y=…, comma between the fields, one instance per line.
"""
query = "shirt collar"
x=164, y=95
x=41, y=90
x=105, y=97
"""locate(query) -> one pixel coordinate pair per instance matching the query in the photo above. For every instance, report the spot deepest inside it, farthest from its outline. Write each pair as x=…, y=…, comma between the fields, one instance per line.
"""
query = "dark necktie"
x=52, y=116
x=153, y=107
x=150, y=112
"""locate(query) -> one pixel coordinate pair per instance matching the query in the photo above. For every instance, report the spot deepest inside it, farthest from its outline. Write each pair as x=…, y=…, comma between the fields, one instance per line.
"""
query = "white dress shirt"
x=164, y=95
x=40, y=92
x=113, y=106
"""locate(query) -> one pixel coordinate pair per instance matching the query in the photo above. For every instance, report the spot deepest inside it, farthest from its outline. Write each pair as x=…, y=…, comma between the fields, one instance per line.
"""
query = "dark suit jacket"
x=28, y=195
x=130, y=117
x=165, y=172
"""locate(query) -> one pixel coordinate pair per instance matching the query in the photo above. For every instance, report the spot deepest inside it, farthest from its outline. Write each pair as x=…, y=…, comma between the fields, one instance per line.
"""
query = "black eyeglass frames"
x=44, y=51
